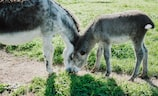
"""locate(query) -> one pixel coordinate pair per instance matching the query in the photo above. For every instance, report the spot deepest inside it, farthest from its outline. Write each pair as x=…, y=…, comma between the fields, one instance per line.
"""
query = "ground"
x=21, y=70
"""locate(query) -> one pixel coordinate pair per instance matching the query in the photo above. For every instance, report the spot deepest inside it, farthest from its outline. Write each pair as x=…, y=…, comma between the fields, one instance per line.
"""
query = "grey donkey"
x=115, y=28
x=23, y=20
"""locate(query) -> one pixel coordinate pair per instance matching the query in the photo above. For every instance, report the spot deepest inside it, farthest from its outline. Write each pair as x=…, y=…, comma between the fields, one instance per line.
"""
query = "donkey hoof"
x=69, y=70
x=144, y=76
x=93, y=70
x=50, y=71
x=107, y=74
x=76, y=70
x=72, y=70
x=49, y=75
x=131, y=79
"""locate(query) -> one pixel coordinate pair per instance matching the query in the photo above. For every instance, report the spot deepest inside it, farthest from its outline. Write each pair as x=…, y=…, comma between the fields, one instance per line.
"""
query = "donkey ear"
x=82, y=52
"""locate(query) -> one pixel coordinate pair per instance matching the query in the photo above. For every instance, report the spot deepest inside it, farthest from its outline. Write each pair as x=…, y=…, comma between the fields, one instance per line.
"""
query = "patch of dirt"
x=21, y=70
x=15, y=70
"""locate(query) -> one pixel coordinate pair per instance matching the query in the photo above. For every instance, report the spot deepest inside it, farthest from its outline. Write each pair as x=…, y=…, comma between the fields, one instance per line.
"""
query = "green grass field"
x=123, y=60
x=65, y=84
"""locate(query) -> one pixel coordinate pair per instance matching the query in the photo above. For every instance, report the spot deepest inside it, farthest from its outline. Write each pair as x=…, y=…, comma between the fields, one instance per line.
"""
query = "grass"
x=64, y=84
x=122, y=55
x=2, y=87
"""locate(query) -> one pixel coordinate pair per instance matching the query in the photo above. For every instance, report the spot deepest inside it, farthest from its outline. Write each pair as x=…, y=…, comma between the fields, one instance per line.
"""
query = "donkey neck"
x=89, y=40
x=68, y=22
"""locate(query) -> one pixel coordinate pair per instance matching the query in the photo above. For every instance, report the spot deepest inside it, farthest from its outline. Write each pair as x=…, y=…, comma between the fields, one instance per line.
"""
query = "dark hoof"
x=94, y=70
x=71, y=70
x=131, y=79
x=107, y=74
x=50, y=74
x=144, y=77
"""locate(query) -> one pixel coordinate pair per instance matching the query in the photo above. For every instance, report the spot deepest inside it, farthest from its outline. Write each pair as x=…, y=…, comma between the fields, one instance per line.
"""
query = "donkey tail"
x=149, y=25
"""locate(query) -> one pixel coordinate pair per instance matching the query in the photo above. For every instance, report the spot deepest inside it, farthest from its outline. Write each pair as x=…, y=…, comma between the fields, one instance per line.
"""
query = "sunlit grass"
x=64, y=84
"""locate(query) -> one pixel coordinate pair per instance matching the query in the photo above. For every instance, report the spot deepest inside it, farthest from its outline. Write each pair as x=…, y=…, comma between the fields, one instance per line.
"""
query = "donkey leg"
x=107, y=54
x=66, y=53
x=97, y=63
x=139, y=56
x=67, y=56
x=69, y=67
x=48, y=52
x=145, y=63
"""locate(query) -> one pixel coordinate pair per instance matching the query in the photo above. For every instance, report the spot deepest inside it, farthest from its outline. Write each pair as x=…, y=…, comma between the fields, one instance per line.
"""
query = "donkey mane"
x=72, y=16
x=77, y=26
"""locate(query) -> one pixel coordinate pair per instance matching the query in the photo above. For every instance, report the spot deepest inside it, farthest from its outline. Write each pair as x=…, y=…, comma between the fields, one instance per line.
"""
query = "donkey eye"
x=82, y=52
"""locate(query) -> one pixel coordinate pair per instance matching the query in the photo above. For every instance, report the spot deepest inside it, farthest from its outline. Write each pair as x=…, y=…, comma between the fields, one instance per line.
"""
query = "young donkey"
x=115, y=28
x=23, y=20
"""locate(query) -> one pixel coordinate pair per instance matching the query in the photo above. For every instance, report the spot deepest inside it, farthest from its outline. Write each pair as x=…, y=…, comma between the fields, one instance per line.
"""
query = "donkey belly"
x=119, y=39
x=16, y=38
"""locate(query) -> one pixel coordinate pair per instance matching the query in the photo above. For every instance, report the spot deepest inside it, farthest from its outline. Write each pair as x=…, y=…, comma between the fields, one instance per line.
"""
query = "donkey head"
x=80, y=54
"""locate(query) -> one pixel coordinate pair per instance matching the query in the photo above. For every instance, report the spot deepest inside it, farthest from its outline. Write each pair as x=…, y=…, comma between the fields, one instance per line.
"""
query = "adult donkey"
x=23, y=20
x=115, y=28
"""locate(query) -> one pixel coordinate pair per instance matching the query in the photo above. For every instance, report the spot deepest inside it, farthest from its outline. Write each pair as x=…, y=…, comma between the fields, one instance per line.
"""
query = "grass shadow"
x=64, y=84
x=154, y=91
x=89, y=86
x=150, y=83
x=50, y=85
x=154, y=87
